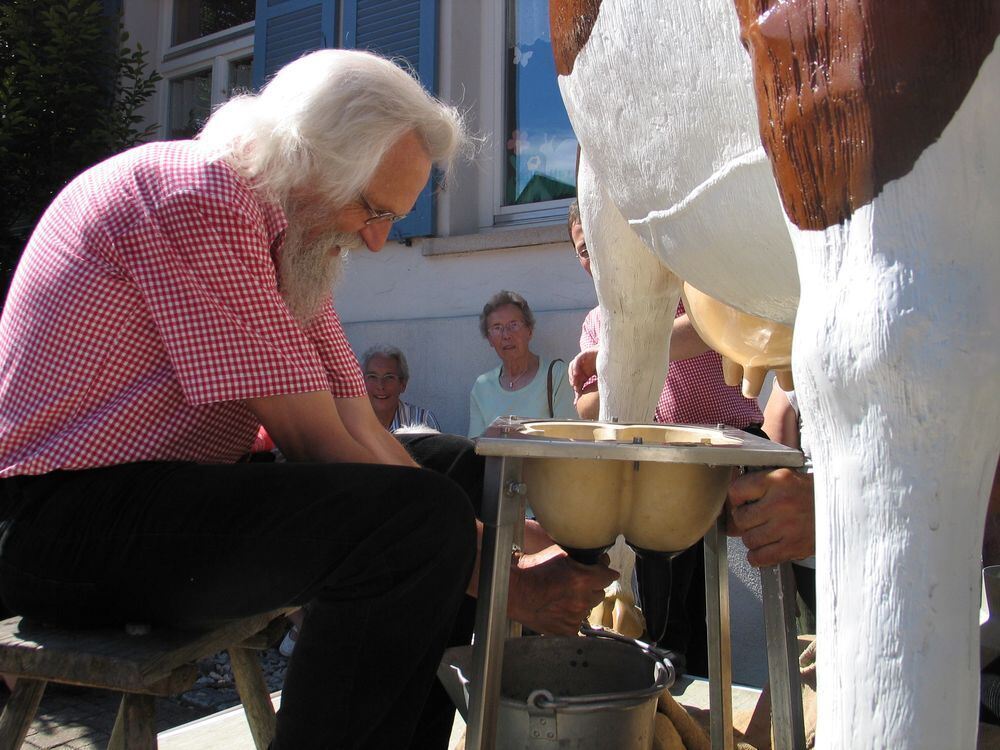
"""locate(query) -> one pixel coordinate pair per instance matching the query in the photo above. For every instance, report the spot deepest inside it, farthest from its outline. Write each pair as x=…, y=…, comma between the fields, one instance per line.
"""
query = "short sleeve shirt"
x=488, y=400
x=411, y=415
x=144, y=310
x=694, y=392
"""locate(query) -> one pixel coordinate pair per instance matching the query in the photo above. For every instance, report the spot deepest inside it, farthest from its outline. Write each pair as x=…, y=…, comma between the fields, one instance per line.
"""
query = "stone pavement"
x=72, y=718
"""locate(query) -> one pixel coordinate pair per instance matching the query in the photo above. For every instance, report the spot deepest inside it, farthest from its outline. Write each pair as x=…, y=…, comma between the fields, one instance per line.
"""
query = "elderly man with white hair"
x=174, y=299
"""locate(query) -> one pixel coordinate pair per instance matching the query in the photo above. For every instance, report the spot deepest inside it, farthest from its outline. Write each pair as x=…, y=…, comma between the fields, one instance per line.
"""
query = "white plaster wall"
x=429, y=307
x=446, y=355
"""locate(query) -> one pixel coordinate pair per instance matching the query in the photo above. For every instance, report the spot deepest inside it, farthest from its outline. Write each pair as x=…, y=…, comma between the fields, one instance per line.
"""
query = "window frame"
x=494, y=112
x=213, y=53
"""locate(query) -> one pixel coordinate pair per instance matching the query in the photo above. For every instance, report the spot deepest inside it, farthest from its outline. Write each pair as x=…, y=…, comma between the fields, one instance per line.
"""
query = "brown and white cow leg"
x=896, y=355
x=638, y=298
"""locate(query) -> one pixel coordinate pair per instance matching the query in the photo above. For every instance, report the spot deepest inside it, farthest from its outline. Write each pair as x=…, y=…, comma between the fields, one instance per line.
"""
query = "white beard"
x=307, y=271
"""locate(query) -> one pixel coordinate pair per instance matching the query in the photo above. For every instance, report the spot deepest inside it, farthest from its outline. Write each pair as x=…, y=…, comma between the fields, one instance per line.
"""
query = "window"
x=191, y=95
x=539, y=148
x=209, y=58
x=194, y=19
x=240, y=77
x=190, y=104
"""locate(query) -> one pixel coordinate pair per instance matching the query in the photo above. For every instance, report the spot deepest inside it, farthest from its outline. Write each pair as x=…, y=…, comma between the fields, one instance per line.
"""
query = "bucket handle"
x=544, y=700
x=657, y=653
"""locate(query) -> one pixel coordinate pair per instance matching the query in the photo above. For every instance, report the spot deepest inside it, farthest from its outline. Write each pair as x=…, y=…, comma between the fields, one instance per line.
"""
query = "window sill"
x=492, y=239
x=243, y=33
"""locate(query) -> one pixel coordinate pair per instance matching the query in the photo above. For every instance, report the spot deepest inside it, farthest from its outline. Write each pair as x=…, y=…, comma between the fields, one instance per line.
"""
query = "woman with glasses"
x=524, y=384
x=386, y=376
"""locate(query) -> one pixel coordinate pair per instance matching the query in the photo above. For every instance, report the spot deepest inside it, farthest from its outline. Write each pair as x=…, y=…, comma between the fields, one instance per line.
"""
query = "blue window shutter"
x=287, y=29
x=404, y=29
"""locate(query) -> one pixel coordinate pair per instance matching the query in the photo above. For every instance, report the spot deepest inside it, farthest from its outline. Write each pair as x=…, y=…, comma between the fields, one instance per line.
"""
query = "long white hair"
x=325, y=121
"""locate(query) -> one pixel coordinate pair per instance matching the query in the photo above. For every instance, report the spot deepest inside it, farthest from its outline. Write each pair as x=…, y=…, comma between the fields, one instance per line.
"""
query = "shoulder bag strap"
x=549, y=386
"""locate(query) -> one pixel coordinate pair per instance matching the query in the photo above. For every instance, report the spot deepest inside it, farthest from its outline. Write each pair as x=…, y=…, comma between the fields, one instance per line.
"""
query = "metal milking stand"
x=777, y=583
x=720, y=655
x=503, y=527
x=778, y=587
x=503, y=518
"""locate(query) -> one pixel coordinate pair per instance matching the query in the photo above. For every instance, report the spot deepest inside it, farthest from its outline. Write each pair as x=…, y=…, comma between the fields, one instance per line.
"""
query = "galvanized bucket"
x=590, y=693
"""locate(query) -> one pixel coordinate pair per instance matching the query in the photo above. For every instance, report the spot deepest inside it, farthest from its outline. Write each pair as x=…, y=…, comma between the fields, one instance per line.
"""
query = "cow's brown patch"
x=571, y=22
x=851, y=92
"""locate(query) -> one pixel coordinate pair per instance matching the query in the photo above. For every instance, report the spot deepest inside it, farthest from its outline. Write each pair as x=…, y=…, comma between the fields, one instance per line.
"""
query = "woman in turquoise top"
x=520, y=385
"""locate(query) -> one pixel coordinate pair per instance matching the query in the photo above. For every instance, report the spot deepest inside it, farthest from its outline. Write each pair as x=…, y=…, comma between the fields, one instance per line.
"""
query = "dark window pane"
x=190, y=104
x=198, y=18
x=540, y=147
x=240, y=75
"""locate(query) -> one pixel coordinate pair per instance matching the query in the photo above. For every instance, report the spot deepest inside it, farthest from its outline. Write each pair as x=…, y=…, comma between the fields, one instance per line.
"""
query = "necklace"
x=512, y=381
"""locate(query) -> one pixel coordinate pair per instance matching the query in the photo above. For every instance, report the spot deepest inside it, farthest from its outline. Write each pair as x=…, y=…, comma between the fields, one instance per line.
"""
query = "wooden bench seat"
x=160, y=662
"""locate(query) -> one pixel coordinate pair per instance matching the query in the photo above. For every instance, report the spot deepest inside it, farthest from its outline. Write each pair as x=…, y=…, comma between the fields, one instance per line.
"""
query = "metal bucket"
x=590, y=693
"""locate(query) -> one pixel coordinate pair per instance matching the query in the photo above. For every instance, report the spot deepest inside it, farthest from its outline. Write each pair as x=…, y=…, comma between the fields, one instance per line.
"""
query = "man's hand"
x=582, y=368
x=552, y=594
x=774, y=513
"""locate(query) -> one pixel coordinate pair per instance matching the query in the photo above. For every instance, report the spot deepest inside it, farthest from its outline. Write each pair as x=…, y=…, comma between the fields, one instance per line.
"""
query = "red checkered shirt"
x=694, y=391
x=144, y=310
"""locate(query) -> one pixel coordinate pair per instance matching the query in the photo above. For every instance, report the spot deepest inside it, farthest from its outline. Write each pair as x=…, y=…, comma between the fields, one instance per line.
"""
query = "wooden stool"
x=141, y=667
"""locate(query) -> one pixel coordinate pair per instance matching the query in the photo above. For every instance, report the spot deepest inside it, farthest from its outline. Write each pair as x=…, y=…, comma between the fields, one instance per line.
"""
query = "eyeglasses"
x=496, y=330
x=377, y=217
x=387, y=379
x=583, y=253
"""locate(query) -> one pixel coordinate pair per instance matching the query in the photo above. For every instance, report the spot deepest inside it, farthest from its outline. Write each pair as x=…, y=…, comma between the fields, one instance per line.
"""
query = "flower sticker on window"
x=517, y=142
x=521, y=58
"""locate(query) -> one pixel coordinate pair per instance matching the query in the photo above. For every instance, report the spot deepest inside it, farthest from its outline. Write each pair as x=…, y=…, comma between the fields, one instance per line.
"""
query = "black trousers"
x=454, y=457
x=686, y=632
x=381, y=554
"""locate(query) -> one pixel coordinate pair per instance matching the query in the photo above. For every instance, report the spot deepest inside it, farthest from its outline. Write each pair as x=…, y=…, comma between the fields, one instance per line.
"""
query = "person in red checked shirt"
x=172, y=301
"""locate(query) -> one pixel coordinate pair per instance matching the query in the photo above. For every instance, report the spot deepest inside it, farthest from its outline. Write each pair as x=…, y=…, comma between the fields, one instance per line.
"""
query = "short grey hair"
x=573, y=218
x=501, y=298
x=392, y=352
x=325, y=121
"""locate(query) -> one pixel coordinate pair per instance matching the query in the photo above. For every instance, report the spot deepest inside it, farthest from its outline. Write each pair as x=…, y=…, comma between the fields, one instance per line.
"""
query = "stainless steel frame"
x=777, y=583
x=502, y=516
x=720, y=655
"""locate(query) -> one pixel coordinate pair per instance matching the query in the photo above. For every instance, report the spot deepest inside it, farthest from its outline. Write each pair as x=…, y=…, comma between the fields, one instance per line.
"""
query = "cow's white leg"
x=638, y=298
x=896, y=355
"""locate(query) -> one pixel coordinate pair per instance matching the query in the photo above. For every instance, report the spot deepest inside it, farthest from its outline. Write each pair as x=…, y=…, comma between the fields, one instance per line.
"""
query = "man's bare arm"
x=781, y=423
x=361, y=422
x=315, y=426
x=685, y=341
x=588, y=403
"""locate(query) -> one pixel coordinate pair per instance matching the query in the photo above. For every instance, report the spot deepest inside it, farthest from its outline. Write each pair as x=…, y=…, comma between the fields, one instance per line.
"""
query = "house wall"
x=429, y=306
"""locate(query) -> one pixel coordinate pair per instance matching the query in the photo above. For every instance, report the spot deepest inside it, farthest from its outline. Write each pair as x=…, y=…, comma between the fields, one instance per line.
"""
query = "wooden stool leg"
x=135, y=726
x=256, y=700
x=20, y=710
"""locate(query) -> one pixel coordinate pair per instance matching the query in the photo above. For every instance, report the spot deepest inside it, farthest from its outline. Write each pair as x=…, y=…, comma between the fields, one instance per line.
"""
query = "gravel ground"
x=214, y=690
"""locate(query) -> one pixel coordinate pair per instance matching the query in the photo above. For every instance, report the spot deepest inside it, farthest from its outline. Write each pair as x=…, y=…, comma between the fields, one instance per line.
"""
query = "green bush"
x=70, y=88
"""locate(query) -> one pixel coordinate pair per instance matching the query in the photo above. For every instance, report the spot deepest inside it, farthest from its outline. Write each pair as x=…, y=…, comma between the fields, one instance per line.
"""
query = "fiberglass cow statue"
x=850, y=147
